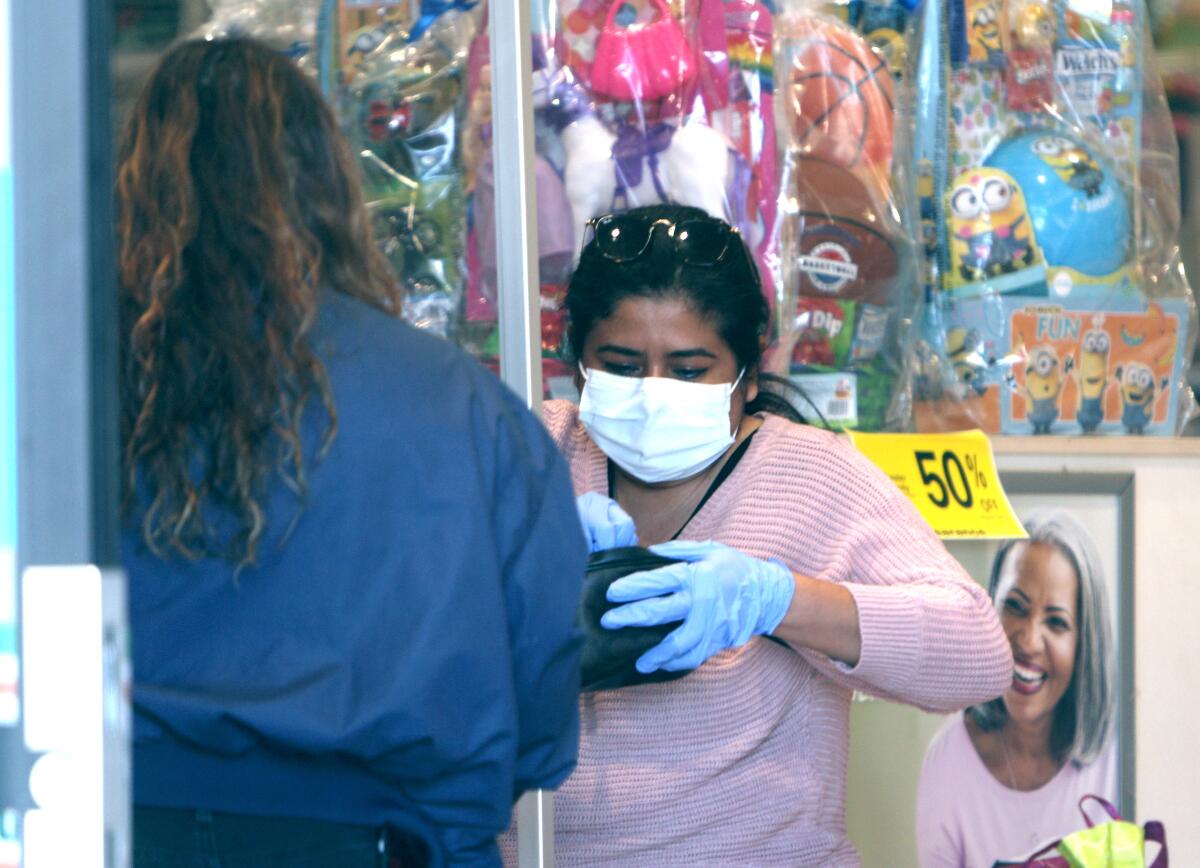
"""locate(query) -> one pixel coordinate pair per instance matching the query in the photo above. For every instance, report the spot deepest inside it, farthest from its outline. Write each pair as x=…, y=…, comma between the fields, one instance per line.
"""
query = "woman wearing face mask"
x=1006, y=777
x=784, y=531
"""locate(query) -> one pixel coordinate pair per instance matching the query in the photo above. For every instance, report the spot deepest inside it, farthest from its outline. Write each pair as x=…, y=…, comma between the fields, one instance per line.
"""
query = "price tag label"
x=950, y=478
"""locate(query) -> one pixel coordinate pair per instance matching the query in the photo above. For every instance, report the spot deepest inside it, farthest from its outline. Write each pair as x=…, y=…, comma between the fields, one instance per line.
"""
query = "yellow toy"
x=1138, y=391
x=891, y=46
x=990, y=232
x=1044, y=378
x=964, y=349
x=1071, y=163
x=1034, y=27
x=1093, y=379
x=983, y=39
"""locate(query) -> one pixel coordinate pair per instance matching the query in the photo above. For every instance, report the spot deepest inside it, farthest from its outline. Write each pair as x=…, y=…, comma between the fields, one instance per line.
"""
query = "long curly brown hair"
x=238, y=204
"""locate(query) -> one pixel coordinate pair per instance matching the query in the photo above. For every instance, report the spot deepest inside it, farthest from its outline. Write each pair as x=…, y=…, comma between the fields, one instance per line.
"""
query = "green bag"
x=1115, y=843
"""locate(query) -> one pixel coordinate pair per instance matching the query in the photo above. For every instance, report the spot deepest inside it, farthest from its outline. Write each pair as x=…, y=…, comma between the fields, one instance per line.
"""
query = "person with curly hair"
x=354, y=557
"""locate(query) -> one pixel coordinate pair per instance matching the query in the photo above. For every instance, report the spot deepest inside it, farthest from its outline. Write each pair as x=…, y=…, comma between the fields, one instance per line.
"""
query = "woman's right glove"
x=722, y=595
x=605, y=524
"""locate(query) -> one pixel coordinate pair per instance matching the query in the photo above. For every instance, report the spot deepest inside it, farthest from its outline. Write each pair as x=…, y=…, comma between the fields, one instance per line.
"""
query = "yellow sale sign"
x=950, y=478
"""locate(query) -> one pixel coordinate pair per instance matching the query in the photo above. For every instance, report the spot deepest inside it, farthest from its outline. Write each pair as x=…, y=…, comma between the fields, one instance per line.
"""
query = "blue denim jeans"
x=174, y=838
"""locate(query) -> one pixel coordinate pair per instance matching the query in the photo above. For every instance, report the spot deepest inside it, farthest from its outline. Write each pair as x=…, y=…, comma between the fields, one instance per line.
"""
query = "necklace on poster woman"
x=1037, y=781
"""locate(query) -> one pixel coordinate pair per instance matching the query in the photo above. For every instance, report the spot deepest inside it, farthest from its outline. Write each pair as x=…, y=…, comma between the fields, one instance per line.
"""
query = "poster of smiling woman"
x=1005, y=776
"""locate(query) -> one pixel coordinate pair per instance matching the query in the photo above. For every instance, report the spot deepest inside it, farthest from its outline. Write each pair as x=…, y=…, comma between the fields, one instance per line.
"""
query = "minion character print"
x=1092, y=372
x=989, y=226
x=1071, y=162
x=1044, y=378
x=964, y=349
x=1138, y=392
x=983, y=33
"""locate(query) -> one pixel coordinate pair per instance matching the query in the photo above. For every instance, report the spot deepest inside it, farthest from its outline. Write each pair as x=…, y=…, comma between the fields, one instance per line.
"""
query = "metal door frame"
x=65, y=352
x=510, y=41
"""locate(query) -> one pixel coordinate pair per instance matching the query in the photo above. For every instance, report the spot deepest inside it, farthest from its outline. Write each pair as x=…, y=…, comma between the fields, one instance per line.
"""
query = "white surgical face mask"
x=657, y=429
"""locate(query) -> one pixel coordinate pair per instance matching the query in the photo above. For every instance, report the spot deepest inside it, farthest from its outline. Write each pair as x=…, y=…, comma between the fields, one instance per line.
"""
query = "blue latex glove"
x=722, y=596
x=605, y=524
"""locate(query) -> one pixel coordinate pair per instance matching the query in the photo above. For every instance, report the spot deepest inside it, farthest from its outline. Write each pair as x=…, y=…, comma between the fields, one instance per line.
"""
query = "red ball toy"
x=838, y=95
x=840, y=242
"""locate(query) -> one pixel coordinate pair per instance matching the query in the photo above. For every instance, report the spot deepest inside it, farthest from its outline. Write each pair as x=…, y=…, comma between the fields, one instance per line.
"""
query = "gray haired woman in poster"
x=1006, y=776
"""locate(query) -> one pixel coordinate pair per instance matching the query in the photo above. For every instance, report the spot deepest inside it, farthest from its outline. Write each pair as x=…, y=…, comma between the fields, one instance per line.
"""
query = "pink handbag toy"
x=641, y=61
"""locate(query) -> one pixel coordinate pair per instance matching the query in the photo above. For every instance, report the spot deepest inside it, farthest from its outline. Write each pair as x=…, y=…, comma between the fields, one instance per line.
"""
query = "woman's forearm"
x=824, y=618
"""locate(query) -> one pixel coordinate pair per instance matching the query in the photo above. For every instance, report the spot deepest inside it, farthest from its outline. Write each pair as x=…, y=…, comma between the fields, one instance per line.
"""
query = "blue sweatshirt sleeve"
x=544, y=561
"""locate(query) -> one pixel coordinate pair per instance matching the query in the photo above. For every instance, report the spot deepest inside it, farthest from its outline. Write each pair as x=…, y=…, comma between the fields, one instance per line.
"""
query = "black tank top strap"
x=721, y=476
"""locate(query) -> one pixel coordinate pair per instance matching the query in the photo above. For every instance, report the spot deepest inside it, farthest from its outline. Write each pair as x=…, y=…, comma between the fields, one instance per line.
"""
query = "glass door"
x=435, y=104
x=434, y=99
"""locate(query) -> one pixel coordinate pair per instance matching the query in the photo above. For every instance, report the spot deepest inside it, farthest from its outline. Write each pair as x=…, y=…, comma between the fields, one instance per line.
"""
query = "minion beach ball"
x=1079, y=211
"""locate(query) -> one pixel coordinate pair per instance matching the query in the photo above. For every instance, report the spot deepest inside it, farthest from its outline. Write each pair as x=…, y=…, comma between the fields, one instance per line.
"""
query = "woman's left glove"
x=722, y=596
x=605, y=524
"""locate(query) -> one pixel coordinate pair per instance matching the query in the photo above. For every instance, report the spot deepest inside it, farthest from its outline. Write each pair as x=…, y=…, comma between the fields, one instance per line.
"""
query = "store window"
x=401, y=83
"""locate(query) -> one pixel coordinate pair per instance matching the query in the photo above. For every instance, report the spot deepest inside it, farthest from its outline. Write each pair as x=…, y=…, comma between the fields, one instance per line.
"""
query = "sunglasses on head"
x=697, y=240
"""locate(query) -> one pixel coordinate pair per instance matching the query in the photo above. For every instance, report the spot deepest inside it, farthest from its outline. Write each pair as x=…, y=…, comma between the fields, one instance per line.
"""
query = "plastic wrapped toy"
x=645, y=62
x=633, y=128
x=394, y=71
x=638, y=101
x=847, y=273
x=839, y=95
x=634, y=103
x=397, y=75
x=290, y=26
x=1054, y=300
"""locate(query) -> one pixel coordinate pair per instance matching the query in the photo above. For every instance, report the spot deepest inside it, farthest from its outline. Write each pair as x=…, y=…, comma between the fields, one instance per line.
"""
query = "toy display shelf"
x=1115, y=446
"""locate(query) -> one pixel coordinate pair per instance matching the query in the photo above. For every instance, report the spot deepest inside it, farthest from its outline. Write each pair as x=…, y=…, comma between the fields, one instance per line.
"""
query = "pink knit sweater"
x=743, y=762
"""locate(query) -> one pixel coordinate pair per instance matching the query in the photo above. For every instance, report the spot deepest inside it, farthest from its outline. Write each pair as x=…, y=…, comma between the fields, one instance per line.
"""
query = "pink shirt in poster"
x=968, y=819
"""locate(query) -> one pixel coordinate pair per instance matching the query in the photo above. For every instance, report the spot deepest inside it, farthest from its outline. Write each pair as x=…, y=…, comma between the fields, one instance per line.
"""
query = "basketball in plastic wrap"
x=1079, y=210
x=844, y=242
x=839, y=95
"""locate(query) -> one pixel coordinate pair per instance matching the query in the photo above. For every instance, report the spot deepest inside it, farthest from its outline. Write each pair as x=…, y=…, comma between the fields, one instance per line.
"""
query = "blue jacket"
x=408, y=656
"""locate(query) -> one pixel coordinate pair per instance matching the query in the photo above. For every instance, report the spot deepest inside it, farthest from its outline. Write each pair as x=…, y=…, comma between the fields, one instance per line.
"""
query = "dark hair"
x=1083, y=716
x=727, y=294
x=237, y=202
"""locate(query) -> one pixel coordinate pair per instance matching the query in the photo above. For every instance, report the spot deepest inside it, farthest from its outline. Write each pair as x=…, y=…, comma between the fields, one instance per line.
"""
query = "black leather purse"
x=609, y=655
